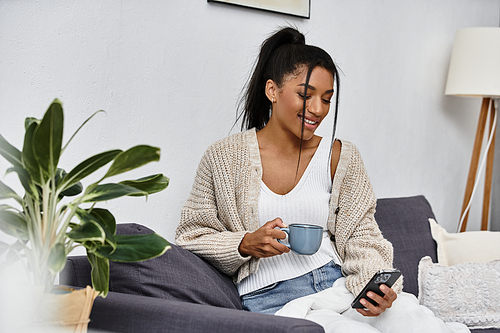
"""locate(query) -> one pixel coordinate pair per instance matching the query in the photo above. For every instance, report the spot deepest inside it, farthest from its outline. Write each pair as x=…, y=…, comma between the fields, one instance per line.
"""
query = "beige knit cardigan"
x=222, y=208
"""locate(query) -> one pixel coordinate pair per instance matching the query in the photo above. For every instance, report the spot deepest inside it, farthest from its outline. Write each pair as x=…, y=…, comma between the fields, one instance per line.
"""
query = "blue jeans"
x=273, y=297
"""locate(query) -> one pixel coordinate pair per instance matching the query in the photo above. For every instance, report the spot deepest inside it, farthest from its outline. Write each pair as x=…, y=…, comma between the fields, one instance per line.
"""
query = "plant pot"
x=64, y=310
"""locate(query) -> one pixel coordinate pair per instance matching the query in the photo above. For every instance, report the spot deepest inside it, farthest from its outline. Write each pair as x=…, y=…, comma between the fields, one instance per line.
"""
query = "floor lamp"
x=475, y=72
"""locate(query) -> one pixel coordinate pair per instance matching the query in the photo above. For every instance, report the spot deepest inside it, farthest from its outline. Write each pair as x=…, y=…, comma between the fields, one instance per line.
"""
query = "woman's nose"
x=315, y=106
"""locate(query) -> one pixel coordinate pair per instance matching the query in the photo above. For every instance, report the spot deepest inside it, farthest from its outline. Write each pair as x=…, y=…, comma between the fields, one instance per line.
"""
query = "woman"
x=278, y=171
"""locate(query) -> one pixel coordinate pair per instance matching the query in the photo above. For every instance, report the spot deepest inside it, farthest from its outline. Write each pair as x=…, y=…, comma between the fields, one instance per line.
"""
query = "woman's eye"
x=303, y=97
x=327, y=101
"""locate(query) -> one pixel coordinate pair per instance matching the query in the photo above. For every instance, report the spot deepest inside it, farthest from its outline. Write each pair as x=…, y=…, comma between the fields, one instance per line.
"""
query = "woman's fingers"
x=383, y=302
x=262, y=243
x=276, y=223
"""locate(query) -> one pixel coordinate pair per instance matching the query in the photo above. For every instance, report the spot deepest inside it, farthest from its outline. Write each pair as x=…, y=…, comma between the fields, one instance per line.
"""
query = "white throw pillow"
x=469, y=246
x=467, y=293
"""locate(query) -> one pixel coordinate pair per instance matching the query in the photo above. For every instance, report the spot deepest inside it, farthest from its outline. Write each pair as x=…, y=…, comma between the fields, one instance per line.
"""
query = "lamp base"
x=471, y=179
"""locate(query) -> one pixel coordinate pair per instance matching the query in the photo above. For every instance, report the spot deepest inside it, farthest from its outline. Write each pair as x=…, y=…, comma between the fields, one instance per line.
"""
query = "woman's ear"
x=271, y=90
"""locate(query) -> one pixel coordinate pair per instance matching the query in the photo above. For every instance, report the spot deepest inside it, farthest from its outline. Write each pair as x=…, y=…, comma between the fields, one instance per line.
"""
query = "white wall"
x=169, y=73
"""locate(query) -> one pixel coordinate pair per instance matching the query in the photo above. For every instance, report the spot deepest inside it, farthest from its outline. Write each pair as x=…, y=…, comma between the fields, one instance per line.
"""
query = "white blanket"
x=331, y=309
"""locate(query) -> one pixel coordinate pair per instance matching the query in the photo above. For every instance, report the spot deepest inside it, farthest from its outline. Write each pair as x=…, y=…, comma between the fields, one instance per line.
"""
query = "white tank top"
x=308, y=202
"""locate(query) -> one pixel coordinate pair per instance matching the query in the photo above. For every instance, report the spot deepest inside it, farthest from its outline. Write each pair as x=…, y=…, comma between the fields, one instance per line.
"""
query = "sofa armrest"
x=120, y=312
x=76, y=272
x=404, y=222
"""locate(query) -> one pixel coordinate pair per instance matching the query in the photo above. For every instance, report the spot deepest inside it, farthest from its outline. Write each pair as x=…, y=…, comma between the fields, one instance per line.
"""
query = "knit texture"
x=223, y=207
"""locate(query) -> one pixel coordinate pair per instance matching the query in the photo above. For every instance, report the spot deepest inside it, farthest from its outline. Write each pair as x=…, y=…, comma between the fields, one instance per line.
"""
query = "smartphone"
x=387, y=277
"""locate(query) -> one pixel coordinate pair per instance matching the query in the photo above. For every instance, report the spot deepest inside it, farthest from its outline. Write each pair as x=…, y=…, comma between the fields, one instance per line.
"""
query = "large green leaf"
x=87, y=217
x=151, y=184
x=105, y=218
x=57, y=258
x=7, y=193
x=25, y=179
x=88, y=166
x=9, y=152
x=132, y=248
x=91, y=246
x=70, y=190
x=132, y=159
x=110, y=191
x=29, y=121
x=13, y=224
x=88, y=231
x=47, y=141
x=30, y=163
x=100, y=273
x=73, y=190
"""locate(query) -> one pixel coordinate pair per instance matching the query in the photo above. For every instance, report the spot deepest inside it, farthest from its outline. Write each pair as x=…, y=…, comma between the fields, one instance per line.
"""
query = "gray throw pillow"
x=178, y=274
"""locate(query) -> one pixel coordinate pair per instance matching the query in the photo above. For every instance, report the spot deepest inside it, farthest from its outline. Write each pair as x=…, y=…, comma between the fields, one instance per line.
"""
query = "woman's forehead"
x=299, y=77
x=301, y=73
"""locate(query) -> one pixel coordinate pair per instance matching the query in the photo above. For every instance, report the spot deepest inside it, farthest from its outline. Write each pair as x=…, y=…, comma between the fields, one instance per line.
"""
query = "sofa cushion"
x=470, y=246
x=178, y=274
x=404, y=222
x=467, y=293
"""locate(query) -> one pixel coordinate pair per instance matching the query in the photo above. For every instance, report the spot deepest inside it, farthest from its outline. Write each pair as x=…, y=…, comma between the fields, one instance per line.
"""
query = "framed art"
x=299, y=8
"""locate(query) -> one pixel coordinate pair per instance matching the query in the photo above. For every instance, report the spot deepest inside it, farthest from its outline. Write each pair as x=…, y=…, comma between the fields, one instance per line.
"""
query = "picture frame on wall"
x=298, y=8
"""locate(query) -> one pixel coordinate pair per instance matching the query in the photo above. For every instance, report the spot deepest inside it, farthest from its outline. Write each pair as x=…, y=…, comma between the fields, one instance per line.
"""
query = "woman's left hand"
x=383, y=302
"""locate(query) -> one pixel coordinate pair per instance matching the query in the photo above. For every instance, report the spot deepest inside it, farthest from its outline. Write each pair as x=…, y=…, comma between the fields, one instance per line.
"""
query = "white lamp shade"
x=475, y=63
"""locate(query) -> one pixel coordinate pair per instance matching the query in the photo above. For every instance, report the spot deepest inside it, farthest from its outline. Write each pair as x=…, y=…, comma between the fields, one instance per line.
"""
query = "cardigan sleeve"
x=360, y=242
x=210, y=224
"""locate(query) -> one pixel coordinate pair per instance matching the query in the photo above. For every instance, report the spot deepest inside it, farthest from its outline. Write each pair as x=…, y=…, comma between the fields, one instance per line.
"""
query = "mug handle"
x=287, y=230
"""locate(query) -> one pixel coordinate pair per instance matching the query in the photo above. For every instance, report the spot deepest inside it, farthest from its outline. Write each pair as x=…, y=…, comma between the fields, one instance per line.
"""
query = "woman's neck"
x=282, y=168
x=286, y=142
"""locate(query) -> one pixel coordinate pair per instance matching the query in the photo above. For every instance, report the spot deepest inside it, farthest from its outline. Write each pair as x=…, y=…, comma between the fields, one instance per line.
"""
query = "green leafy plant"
x=47, y=225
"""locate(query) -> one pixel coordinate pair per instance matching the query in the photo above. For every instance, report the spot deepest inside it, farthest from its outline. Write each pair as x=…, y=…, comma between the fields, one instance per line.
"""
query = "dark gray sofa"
x=179, y=292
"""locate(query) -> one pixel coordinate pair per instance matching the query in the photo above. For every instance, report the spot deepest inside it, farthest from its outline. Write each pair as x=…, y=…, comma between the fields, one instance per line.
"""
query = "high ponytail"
x=256, y=108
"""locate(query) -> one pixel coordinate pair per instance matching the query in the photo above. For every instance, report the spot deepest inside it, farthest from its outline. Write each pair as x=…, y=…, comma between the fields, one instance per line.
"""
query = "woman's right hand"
x=262, y=242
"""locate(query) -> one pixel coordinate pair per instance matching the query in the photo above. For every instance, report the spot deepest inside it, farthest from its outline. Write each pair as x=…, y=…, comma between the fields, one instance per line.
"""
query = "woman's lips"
x=309, y=122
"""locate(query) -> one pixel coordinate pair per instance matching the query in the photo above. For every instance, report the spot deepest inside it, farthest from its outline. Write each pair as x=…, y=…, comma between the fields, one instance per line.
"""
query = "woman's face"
x=287, y=109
